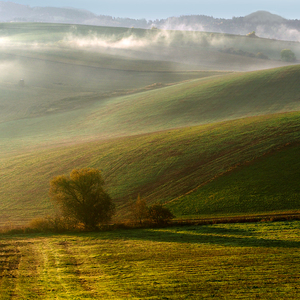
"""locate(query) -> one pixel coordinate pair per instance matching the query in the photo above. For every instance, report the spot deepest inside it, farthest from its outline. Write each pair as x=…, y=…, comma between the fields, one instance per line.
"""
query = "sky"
x=161, y=9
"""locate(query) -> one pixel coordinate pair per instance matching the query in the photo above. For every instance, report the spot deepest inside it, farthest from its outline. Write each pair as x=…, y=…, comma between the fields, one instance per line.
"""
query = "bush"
x=237, y=52
x=53, y=224
x=159, y=214
x=252, y=34
x=261, y=55
x=288, y=55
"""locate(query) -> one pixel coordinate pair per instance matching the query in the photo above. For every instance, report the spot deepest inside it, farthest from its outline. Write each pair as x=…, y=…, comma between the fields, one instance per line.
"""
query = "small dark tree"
x=139, y=210
x=81, y=196
x=159, y=214
x=288, y=55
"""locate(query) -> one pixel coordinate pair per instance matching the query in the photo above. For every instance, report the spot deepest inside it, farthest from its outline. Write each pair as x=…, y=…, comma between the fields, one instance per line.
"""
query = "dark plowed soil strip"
x=240, y=219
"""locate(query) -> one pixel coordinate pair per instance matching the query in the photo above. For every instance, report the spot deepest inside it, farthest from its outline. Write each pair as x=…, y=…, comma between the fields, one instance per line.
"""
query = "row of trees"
x=81, y=198
x=234, y=51
x=286, y=54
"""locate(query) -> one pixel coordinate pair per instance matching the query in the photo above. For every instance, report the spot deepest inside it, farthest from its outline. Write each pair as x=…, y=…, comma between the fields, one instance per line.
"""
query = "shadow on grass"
x=209, y=235
x=204, y=235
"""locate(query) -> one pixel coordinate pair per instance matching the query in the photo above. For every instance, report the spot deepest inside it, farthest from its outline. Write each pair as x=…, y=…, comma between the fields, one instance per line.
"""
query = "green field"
x=164, y=114
x=173, y=162
x=59, y=80
x=199, y=101
x=268, y=183
x=79, y=81
x=233, y=261
x=156, y=123
x=199, y=47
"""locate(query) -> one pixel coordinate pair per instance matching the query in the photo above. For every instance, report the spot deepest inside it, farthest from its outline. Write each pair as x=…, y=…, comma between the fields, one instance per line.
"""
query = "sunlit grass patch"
x=223, y=261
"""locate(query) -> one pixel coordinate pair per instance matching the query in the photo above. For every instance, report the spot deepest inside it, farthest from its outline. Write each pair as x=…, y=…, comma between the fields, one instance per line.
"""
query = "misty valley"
x=191, y=137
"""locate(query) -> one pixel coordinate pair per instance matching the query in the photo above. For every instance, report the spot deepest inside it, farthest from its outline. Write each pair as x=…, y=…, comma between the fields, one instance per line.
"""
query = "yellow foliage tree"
x=139, y=210
x=81, y=196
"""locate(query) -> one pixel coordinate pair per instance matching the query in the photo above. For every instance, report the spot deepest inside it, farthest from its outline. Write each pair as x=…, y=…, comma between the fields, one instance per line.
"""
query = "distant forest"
x=265, y=24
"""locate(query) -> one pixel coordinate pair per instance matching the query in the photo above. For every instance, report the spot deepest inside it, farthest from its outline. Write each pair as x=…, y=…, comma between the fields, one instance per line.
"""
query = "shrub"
x=261, y=55
x=252, y=34
x=53, y=224
x=159, y=214
x=288, y=55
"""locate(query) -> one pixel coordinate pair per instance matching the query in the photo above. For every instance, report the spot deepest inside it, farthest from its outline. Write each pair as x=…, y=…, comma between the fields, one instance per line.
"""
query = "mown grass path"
x=225, y=261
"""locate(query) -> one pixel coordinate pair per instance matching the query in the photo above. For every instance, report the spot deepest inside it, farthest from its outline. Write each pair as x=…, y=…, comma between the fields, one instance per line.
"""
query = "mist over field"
x=41, y=62
x=265, y=25
x=184, y=121
x=130, y=40
x=74, y=59
x=280, y=32
x=74, y=65
x=64, y=85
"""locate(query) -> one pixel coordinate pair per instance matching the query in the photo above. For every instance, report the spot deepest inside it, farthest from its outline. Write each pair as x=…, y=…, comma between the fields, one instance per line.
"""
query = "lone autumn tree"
x=81, y=197
x=139, y=210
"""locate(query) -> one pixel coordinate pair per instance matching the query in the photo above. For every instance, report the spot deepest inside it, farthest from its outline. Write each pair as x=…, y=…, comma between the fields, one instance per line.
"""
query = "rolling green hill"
x=77, y=65
x=199, y=101
x=205, y=143
x=154, y=126
x=79, y=83
x=160, y=166
x=268, y=183
x=145, y=43
x=63, y=80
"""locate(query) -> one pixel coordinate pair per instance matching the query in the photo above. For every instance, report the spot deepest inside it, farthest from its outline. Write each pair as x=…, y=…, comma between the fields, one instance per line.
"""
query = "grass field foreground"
x=232, y=261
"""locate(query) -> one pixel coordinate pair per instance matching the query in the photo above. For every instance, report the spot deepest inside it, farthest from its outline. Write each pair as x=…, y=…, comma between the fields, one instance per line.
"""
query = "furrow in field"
x=10, y=257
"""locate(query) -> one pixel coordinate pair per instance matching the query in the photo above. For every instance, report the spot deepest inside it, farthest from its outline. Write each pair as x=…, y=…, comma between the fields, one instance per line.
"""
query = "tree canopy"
x=139, y=210
x=81, y=197
x=159, y=214
x=288, y=55
x=155, y=213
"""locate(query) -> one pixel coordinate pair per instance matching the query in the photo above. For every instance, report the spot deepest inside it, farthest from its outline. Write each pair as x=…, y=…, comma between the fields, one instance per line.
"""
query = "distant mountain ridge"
x=264, y=17
x=13, y=12
x=265, y=24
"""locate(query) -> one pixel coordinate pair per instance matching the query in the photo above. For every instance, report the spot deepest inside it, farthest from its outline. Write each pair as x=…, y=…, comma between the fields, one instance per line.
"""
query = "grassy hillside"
x=74, y=77
x=85, y=104
x=269, y=183
x=66, y=68
x=78, y=65
x=207, y=44
x=59, y=80
x=159, y=166
x=200, y=101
